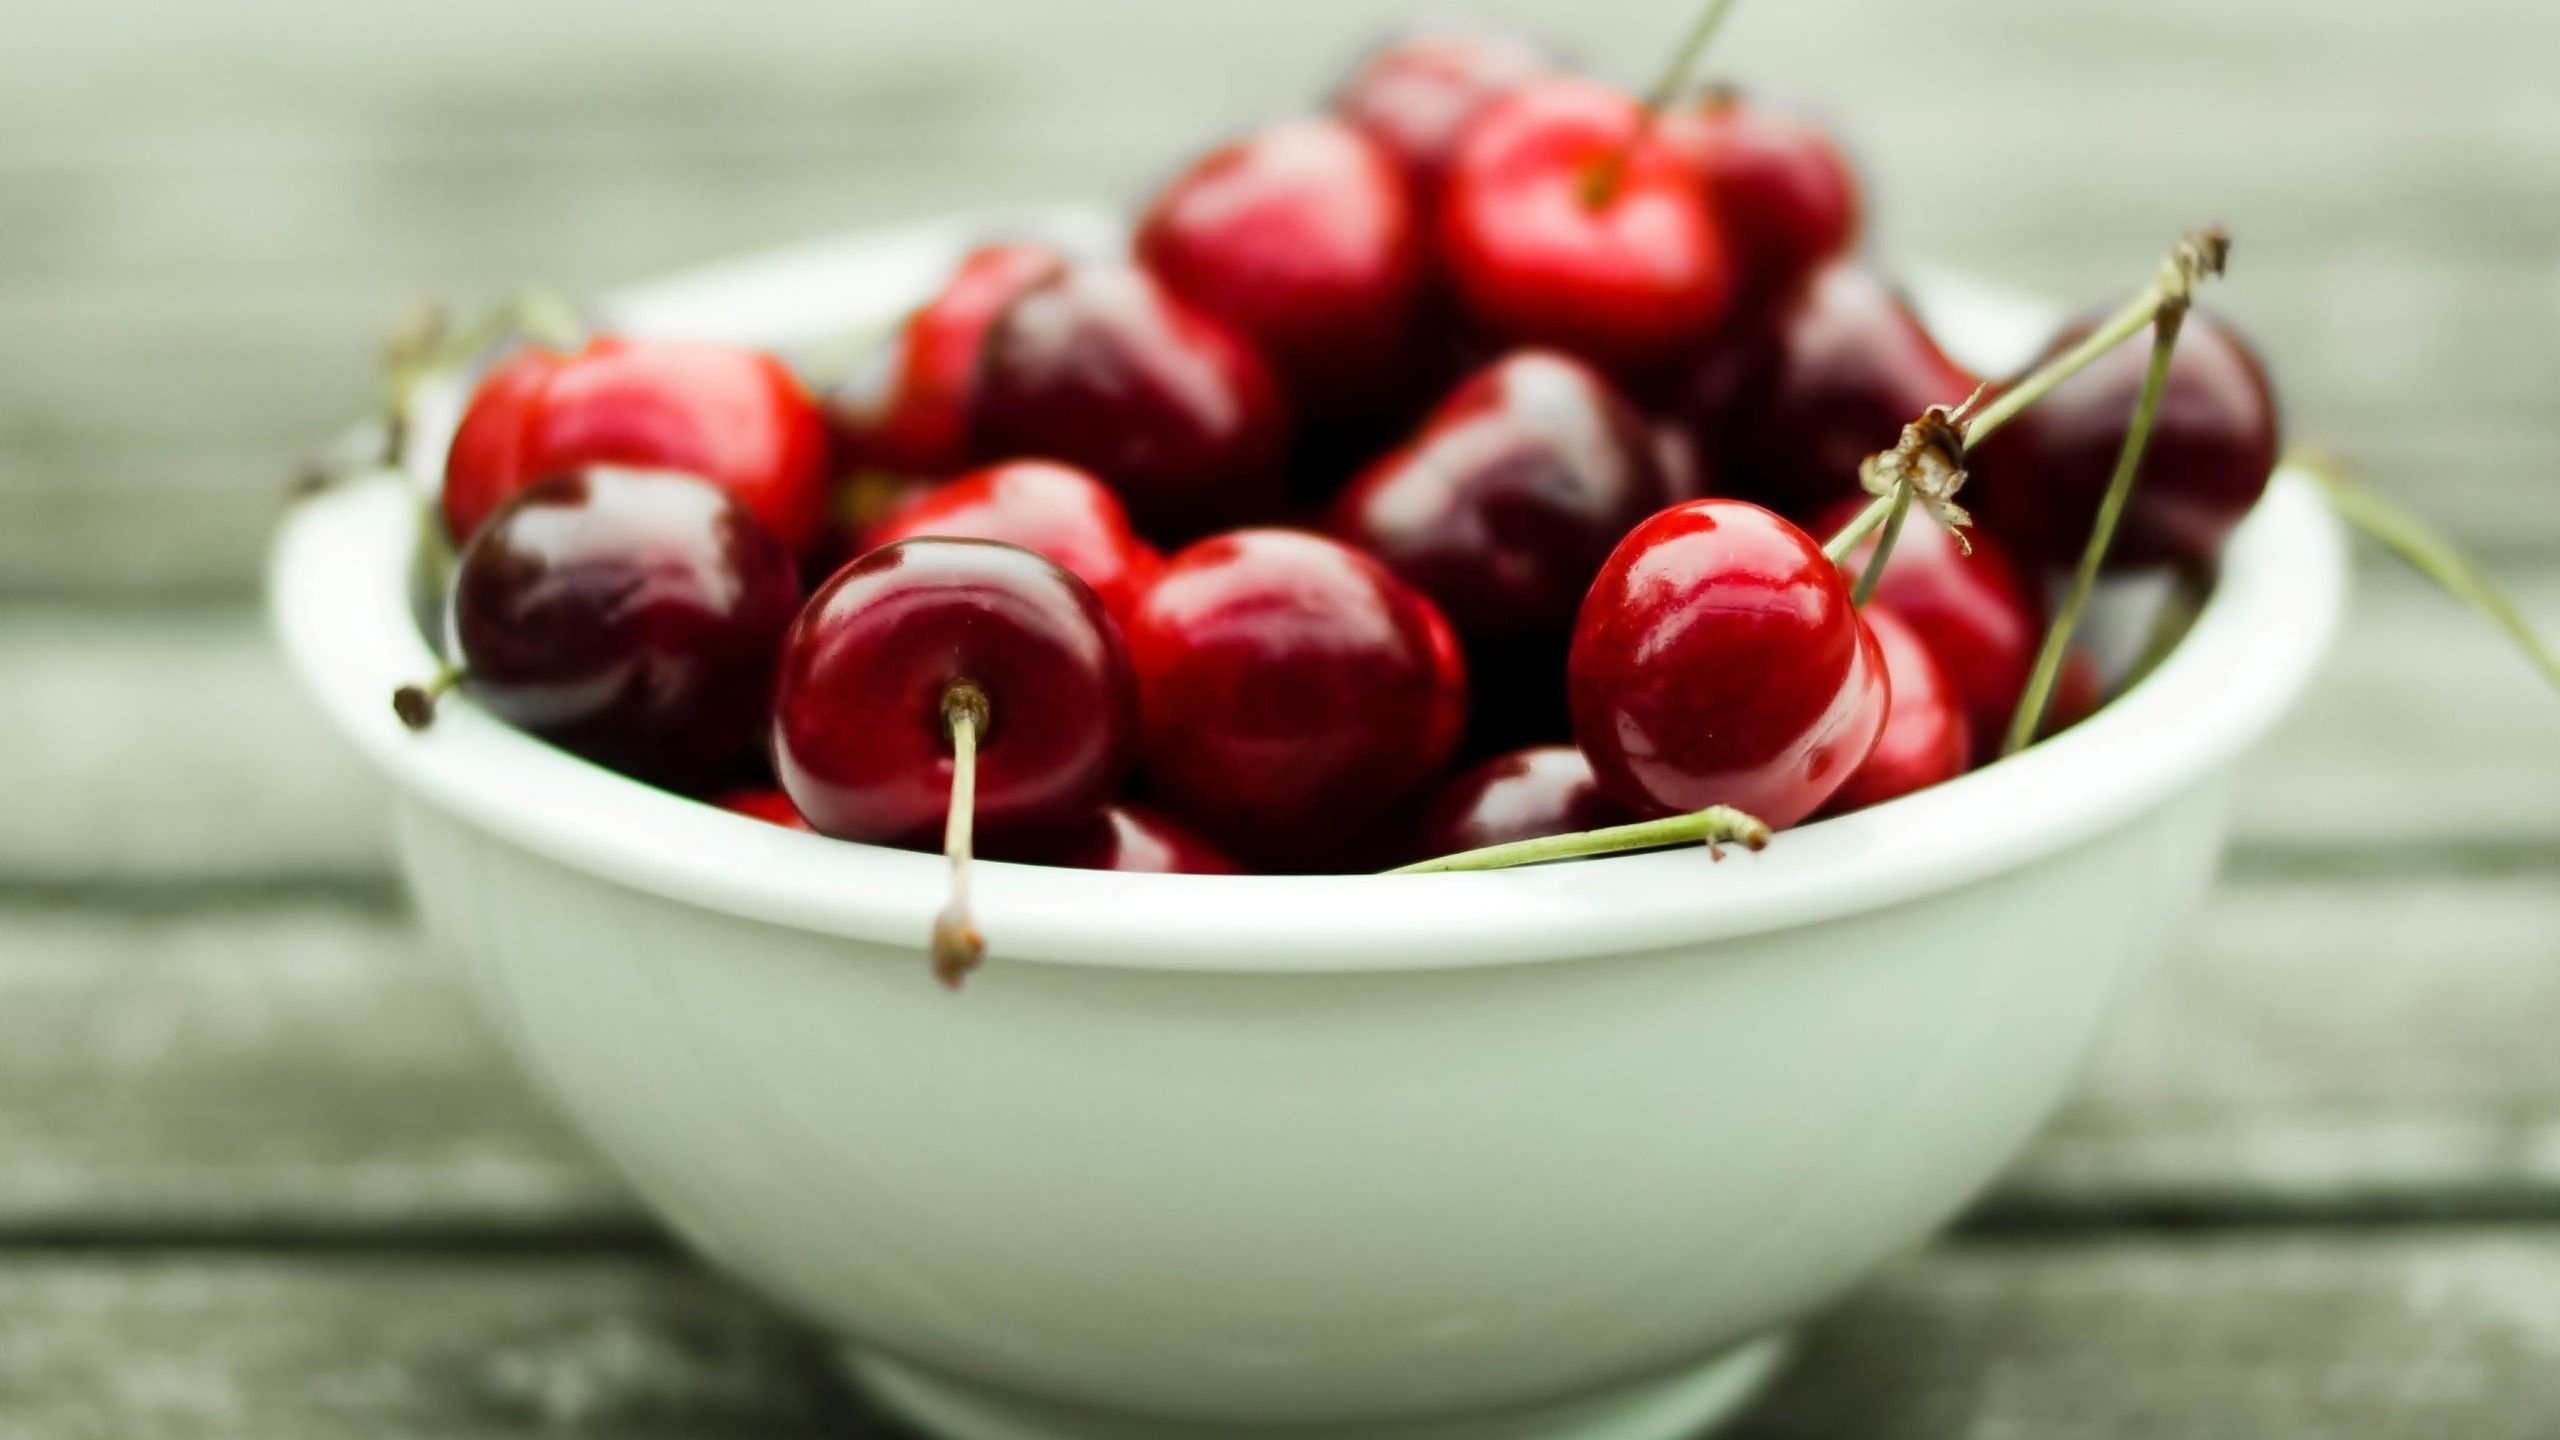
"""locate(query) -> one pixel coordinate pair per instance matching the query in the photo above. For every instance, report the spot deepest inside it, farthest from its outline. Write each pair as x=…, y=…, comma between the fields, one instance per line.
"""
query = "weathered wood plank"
x=171, y=748
x=2251, y=1337
x=304, y=1070
x=191, y=265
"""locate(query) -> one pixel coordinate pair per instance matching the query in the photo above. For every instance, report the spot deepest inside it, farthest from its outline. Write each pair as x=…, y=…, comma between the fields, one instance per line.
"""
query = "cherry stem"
x=1897, y=508
x=1603, y=183
x=426, y=344
x=1711, y=827
x=957, y=946
x=2066, y=621
x=1860, y=526
x=416, y=704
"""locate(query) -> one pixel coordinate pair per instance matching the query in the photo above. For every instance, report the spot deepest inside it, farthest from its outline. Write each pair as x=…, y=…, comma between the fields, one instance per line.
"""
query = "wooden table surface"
x=263, y=1173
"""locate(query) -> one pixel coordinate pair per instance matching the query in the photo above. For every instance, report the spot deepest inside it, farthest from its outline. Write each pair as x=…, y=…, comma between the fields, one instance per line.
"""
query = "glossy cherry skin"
x=861, y=739
x=1787, y=197
x=908, y=412
x=1524, y=795
x=769, y=805
x=1294, y=693
x=1518, y=486
x=1052, y=509
x=1129, y=838
x=1415, y=94
x=1543, y=249
x=1790, y=404
x=1719, y=662
x=1302, y=238
x=1102, y=367
x=2038, y=482
x=737, y=418
x=1978, y=615
x=632, y=617
x=1925, y=741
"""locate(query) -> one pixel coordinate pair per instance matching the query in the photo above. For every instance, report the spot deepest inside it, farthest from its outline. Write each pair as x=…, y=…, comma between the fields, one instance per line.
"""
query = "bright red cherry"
x=1302, y=237
x=1128, y=838
x=1977, y=614
x=737, y=418
x=1518, y=486
x=1568, y=221
x=1787, y=196
x=1293, y=693
x=1719, y=662
x=1102, y=367
x=768, y=804
x=908, y=413
x=1524, y=795
x=1791, y=404
x=1924, y=740
x=1052, y=509
x=889, y=648
x=2037, y=481
x=1416, y=94
x=630, y=616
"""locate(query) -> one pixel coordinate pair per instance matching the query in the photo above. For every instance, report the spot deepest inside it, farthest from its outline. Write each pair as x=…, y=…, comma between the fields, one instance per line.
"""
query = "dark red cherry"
x=1786, y=195
x=768, y=804
x=1924, y=740
x=1052, y=509
x=737, y=418
x=1302, y=237
x=1524, y=795
x=1128, y=838
x=1567, y=221
x=1102, y=367
x=1293, y=693
x=1519, y=485
x=871, y=671
x=1719, y=662
x=2037, y=481
x=1978, y=615
x=1792, y=402
x=632, y=617
x=908, y=412
x=2079, y=690
x=1416, y=94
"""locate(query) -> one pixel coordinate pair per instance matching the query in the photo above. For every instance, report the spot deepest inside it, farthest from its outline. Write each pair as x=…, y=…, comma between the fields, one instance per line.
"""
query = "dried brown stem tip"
x=415, y=705
x=958, y=948
x=1929, y=459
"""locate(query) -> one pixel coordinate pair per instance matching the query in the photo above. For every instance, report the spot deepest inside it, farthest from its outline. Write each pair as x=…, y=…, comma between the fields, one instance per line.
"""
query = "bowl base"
x=1684, y=1404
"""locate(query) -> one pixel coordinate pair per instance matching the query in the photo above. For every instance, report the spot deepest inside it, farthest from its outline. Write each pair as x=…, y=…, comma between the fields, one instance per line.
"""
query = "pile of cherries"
x=1445, y=468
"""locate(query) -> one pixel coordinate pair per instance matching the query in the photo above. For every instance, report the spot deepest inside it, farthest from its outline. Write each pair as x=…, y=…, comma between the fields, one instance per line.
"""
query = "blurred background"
x=218, y=1039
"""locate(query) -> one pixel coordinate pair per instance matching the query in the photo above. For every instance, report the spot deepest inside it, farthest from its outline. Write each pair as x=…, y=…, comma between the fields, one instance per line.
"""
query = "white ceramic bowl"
x=1546, y=1152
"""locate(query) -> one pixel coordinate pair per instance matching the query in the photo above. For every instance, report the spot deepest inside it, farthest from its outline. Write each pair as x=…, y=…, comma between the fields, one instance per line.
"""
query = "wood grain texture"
x=205, y=215
x=2263, y=1337
x=296, y=1073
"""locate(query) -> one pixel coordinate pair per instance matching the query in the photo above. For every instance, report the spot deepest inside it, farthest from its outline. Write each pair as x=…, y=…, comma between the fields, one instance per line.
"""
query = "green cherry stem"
x=1603, y=182
x=1712, y=827
x=2066, y=621
x=1897, y=508
x=957, y=946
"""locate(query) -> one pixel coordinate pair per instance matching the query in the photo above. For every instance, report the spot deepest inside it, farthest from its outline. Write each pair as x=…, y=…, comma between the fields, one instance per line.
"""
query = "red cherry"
x=737, y=418
x=880, y=655
x=1051, y=509
x=1302, y=237
x=1568, y=221
x=1790, y=404
x=1416, y=94
x=1293, y=693
x=1127, y=838
x=1524, y=795
x=2079, y=689
x=769, y=805
x=629, y=616
x=909, y=413
x=1719, y=662
x=1102, y=367
x=1924, y=740
x=1787, y=197
x=2037, y=481
x=1979, y=617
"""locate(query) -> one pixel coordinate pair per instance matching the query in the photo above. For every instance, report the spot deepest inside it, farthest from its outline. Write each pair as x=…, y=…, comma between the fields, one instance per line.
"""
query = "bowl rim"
x=338, y=592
